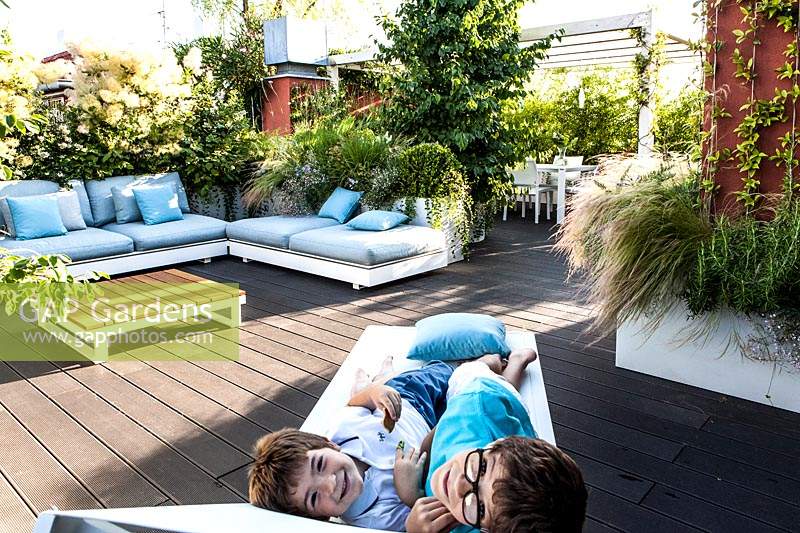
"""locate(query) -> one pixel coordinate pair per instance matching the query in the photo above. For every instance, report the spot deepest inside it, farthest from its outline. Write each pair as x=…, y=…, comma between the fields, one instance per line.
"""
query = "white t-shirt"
x=360, y=434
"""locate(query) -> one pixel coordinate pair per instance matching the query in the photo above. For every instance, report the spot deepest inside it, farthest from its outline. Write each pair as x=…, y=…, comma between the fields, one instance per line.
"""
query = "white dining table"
x=561, y=194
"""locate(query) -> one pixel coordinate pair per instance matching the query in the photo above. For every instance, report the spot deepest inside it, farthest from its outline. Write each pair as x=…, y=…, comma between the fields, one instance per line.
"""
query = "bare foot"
x=524, y=356
x=493, y=361
x=387, y=367
x=361, y=381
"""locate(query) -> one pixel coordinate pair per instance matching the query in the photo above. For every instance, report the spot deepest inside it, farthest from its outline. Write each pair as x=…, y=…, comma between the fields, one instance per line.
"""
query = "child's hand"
x=429, y=515
x=386, y=399
x=409, y=468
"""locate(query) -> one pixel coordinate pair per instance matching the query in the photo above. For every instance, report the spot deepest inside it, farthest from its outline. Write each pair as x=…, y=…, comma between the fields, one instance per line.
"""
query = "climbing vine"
x=760, y=113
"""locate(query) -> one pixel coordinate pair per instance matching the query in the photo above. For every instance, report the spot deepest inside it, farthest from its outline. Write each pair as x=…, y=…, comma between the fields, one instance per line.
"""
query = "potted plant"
x=706, y=299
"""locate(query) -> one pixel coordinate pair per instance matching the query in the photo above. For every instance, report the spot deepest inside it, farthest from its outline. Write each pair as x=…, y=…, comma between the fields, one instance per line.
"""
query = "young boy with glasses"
x=488, y=470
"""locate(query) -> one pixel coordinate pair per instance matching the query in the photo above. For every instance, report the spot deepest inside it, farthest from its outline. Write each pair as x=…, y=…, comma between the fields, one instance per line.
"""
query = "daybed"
x=115, y=241
x=324, y=247
x=244, y=518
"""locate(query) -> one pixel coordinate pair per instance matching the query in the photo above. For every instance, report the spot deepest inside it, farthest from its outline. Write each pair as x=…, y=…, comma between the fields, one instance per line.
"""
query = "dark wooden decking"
x=658, y=456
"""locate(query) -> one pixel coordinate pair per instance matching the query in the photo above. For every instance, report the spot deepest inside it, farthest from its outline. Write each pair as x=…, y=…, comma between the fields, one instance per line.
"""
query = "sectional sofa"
x=311, y=244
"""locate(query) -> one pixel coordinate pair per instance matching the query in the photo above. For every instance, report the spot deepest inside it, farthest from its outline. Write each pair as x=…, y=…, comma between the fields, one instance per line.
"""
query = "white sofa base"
x=358, y=275
x=716, y=363
x=134, y=261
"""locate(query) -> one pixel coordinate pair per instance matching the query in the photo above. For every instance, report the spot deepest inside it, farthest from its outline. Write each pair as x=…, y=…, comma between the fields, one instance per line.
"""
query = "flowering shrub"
x=19, y=102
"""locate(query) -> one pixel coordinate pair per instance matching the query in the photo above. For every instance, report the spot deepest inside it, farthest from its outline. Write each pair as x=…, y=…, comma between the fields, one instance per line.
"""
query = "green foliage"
x=607, y=124
x=218, y=145
x=636, y=244
x=41, y=282
x=345, y=153
x=749, y=265
x=461, y=64
x=431, y=171
x=236, y=63
x=678, y=122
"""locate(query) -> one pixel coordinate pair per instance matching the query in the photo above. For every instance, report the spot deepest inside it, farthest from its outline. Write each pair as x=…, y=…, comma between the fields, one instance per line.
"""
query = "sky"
x=43, y=27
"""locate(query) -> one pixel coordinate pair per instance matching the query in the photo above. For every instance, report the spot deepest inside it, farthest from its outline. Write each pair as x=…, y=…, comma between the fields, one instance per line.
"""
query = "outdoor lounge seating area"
x=111, y=243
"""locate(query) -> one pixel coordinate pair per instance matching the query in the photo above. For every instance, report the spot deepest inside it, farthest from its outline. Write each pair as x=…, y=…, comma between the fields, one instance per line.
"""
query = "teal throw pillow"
x=340, y=205
x=35, y=216
x=158, y=203
x=453, y=336
x=378, y=220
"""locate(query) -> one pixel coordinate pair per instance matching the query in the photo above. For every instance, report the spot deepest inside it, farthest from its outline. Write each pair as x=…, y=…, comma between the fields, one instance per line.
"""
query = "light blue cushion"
x=125, y=207
x=340, y=205
x=101, y=199
x=25, y=188
x=192, y=229
x=158, y=203
x=275, y=231
x=452, y=336
x=90, y=243
x=68, y=208
x=83, y=198
x=378, y=220
x=367, y=247
x=35, y=217
x=99, y=192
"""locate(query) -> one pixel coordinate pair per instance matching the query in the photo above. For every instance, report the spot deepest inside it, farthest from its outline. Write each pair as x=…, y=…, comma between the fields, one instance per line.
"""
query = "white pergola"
x=585, y=44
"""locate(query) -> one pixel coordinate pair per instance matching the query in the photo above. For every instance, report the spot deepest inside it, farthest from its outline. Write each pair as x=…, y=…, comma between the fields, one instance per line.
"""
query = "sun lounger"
x=368, y=354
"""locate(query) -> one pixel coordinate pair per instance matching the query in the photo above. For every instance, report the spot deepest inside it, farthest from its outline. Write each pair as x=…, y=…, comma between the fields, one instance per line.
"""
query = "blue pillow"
x=452, y=336
x=125, y=207
x=158, y=203
x=378, y=220
x=35, y=217
x=340, y=205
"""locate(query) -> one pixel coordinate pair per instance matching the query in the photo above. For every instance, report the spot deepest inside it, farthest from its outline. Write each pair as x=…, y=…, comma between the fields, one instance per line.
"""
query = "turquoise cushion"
x=158, y=203
x=90, y=243
x=275, y=231
x=192, y=229
x=378, y=220
x=35, y=217
x=25, y=188
x=340, y=205
x=452, y=336
x=101, y=199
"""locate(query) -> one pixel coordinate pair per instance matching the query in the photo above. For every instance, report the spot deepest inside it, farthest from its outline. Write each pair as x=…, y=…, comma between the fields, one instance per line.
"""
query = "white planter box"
x=714, y=363
x=448, y=227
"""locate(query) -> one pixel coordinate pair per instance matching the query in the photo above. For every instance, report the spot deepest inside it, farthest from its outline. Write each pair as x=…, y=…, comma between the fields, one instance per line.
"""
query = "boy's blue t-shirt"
x=477, y=416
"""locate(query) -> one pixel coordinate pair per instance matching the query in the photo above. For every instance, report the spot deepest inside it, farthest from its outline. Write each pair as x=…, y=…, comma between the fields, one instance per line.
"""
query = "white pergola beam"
x=587, y=27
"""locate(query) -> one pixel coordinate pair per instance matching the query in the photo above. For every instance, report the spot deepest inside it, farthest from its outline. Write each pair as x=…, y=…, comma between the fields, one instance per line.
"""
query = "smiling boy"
x=488, y=471
x=357, y=474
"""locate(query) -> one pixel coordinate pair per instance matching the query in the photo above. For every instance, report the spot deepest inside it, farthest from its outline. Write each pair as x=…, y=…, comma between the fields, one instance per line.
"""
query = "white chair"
x=571, y=161
x=529, y=185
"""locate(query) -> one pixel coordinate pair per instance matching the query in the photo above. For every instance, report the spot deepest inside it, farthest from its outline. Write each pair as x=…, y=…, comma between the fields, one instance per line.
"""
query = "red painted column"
x=277, y=105
x=733, y=92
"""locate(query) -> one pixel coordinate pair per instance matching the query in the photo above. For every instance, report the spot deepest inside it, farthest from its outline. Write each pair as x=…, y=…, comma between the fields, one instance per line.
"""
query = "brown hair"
x=542, y=491
x=280, y=456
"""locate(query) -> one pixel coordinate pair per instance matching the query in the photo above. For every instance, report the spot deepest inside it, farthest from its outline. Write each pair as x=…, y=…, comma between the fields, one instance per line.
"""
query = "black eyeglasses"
x=473, y=509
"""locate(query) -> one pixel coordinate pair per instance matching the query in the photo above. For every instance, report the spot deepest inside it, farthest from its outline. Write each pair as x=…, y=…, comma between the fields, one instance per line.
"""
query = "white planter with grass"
x=714, y=362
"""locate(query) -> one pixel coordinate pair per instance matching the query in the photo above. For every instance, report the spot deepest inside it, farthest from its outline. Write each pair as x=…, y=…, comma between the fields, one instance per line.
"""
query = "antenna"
x=163, y=15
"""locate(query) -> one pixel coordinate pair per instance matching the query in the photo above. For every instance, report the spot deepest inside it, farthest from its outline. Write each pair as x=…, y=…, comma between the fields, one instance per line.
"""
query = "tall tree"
x=461, y=63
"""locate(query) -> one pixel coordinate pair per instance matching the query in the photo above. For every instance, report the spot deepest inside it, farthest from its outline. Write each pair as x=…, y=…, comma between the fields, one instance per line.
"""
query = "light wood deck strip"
x=658, y=456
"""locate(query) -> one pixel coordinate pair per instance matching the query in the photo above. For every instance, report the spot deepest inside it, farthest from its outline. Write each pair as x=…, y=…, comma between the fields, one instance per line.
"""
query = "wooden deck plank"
x=177, y=477
x=15, y=515
x=110, y=480
x=36, y=475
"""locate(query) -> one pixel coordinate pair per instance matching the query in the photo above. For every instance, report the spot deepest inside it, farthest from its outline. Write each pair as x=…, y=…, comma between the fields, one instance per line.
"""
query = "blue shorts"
x=425, y=389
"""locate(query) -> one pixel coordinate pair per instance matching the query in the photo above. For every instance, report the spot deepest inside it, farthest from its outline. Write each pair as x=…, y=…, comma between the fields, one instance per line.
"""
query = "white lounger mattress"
x=369, y=352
